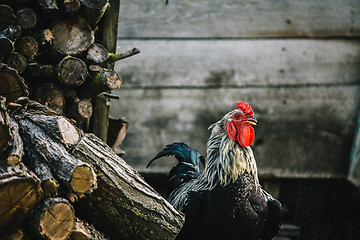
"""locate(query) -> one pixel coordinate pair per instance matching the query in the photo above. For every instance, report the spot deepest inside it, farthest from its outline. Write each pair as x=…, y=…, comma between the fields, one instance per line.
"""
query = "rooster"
x=225, y=201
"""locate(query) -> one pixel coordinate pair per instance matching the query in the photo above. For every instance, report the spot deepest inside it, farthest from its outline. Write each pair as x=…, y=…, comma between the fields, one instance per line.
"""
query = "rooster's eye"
x=237, y=116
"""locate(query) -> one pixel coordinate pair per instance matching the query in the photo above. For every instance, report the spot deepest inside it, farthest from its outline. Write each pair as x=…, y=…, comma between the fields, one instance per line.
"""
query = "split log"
x=102, y=79
x=124, y=206
x=20, y=193
x=17, y=61
x=54, y=220
x=51, y=96
x=57, y=127
x=16, y=147
x=71, y=36
x=26, y=18
x=12, y=86
x=85, y=231
x=73, y=174
x=5, y=134
x=7, y=16
x=72, y=71
x=94, y=10
x=97, y=54
x=27, y=46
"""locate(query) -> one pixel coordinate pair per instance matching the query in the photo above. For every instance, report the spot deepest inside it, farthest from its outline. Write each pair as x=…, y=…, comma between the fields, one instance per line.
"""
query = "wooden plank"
x=233, y=63
x=239, y=19
x=301, y=132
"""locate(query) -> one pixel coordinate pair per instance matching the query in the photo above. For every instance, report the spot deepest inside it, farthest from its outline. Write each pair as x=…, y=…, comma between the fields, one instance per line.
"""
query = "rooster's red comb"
x=245, y=108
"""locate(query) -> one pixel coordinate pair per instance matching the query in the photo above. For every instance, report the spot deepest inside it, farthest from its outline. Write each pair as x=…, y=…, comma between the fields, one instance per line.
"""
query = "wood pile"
x=56, y=181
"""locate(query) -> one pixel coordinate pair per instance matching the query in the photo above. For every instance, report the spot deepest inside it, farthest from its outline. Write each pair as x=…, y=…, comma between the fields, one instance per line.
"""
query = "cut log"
x=20, y=193
x=48, y=5
x=16, y=147
x=124, y=206
x=97, y=54
x=6, y=45
x=27, y=46
x=102, y=79
x=85, y=231
x=17, y=61
x=71, y=36
x=71, y=6
x=7, y=16
x=51, y=96
x=17, y=234
x=94, y=10
x=54, y=220
x=73, y=174
x=58, y=127
x=26, y=18
x=12, y=86
x=80, y=110
x=5, y=134
x=72, y=71
x=13, y=32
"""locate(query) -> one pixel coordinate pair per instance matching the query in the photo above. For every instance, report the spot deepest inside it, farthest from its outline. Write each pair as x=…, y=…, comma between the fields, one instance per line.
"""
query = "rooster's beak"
x=251, y=121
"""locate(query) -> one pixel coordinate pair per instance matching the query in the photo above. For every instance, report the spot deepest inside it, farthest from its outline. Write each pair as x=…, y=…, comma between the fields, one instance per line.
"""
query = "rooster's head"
x=239, y=124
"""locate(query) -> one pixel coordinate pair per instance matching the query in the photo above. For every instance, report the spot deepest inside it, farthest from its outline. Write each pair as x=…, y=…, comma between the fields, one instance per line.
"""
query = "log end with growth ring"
x=83, y=179
x=69, y=133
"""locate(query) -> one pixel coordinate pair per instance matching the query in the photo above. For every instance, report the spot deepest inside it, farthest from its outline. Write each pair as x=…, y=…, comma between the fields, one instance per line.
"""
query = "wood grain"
x=239, y=19
x=233, y=63
x=302, y=131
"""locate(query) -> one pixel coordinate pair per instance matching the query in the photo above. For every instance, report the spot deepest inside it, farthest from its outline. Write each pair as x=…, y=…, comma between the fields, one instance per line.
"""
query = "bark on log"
x=124, y=205
x=26, y=18
x=16, y=147
x=5, y=134
x=51, y=96
x=72, y=71
x=103, y=79
x=20, y=193
x=58, y=127
x=54, y=220
x=17, y=61
x=85, y=231
x=72, y=173
x=27, y=46
x=94, y=10
x=7, y=16
x=71, y=36
x=122, y=55
x=80, y=110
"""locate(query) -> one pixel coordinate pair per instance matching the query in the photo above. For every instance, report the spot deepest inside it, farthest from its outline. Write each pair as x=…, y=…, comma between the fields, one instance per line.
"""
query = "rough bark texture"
x=85, y=231
x=124, y=205
x=16, y=147
x=54, y=220
x=71, y=172
x=58, y=127
x=5, y=134
x=20, y=193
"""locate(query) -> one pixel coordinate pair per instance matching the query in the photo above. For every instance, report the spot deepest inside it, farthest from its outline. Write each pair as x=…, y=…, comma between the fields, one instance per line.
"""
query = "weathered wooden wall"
x=296, y=62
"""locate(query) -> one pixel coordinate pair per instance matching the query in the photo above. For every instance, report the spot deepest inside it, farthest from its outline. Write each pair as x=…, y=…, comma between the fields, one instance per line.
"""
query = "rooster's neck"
x=227, y=160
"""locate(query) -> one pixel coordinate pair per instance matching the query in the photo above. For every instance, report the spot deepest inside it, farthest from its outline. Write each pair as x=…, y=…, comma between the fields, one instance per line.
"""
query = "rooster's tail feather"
x=187, y=167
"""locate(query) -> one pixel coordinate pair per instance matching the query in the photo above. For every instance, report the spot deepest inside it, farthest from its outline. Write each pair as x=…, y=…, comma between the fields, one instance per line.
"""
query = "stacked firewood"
x=52, y=47
x=56, y=181
x=50, y=169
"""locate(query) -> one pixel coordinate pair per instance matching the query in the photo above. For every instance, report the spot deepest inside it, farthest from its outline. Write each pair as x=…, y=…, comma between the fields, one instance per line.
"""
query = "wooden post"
x=108, y=38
